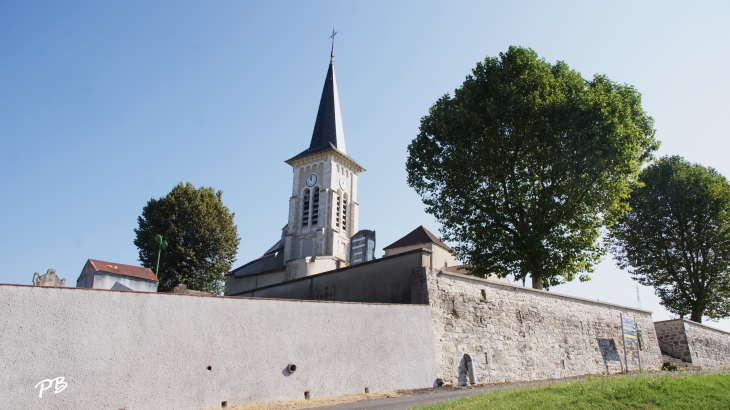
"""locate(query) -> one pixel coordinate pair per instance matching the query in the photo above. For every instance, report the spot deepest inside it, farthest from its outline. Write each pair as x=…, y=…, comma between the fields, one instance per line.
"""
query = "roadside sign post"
x=630, y=334
x=638, y=347
x=638, y=351
x=623, y=335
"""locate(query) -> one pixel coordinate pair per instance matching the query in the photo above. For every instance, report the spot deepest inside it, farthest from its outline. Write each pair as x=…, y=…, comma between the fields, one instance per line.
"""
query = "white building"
x=108, y=275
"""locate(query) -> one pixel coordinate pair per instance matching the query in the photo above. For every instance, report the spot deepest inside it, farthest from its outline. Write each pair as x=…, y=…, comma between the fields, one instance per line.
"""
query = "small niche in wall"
x=484, y=294
x=306, y=395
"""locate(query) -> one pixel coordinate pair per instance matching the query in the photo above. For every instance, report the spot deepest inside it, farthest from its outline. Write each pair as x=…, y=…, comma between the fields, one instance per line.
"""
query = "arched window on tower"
x=315, y=206
x=344, y=212
x=305, y=208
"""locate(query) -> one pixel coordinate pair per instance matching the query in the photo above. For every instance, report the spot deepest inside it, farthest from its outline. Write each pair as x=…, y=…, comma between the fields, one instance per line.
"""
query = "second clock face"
x=343, y=184
x=311, y=179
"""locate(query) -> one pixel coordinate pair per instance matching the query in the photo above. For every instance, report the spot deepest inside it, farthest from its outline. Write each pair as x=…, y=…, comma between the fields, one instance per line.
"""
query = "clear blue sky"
x=104, y=105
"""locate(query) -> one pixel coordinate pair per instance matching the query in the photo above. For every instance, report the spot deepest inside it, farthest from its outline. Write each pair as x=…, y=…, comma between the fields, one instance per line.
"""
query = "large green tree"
x=527, y=162
x=202, y=238
x=676, y=237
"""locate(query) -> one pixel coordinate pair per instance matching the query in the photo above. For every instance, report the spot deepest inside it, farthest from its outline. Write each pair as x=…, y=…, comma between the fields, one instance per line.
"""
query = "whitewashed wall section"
x=128, y=350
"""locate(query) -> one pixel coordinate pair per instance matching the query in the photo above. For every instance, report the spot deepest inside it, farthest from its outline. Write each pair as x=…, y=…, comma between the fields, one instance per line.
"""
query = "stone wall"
x=48, y=279
x=673, y=340
x=488, y=332
x=710, y=347
x=698, y=344
x=134, y=350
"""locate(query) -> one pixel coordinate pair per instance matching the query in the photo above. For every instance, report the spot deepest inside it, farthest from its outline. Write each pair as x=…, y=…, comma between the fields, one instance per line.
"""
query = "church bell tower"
x=323, y=208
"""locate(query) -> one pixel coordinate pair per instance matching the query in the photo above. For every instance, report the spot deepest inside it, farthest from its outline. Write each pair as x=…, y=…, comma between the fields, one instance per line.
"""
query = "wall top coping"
x=693, y=323
x=542, y=292
x=73, y=288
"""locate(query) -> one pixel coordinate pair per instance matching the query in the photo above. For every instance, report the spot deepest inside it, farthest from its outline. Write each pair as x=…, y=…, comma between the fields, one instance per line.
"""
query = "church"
x=321, y=233
x=484, y=330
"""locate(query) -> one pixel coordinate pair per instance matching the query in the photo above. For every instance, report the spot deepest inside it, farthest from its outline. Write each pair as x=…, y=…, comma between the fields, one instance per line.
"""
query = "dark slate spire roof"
x=328, y=133
x=418, y=236
x=328, y=127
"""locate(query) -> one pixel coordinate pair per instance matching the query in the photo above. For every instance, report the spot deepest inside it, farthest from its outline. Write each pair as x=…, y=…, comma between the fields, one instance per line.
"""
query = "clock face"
x=311, y=179
x=343, y=184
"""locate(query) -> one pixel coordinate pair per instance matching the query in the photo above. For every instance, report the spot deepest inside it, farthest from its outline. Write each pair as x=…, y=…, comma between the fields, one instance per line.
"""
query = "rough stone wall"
x=134, y=350
x=710, y=347
x=694, y=343
x=673, y=340
x=183, y=289
x=48, y=279
x=487, y=332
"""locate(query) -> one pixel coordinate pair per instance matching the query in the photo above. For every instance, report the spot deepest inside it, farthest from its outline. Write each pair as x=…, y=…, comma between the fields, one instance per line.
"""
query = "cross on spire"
x=334, y=33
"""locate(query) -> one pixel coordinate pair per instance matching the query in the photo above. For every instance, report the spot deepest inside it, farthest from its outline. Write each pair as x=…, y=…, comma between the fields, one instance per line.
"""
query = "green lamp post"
x=162, y=247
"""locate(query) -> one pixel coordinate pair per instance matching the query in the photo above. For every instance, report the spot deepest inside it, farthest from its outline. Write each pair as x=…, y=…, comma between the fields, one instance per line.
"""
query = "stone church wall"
x=696, y=343
x=134, y=350
x=487, y=332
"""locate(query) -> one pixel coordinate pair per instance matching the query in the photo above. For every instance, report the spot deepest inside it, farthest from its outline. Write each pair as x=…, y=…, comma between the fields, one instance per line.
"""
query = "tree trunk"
x=696, y=316
x=536, y=281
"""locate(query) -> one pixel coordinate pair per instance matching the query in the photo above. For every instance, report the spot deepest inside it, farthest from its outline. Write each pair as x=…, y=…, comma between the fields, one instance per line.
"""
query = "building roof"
x=268, y=255
x=119, y=286
x=329, y=147
x=418, y=236
x=271, y=260
x=123, y=270
x=328, y=133
x=462, y=269
x=328, y=126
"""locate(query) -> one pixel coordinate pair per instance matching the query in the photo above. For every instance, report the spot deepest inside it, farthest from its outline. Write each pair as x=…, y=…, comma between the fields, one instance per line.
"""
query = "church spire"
x=328, y=126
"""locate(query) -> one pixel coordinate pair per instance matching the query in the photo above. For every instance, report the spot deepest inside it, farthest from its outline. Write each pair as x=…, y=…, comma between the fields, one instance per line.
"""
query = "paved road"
x=406, y=402
x=430, y=396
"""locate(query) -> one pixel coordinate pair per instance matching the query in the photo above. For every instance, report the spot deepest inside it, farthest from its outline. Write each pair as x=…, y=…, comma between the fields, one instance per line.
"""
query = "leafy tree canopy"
x=676, y=237
x=202, y=238
x=527, y=162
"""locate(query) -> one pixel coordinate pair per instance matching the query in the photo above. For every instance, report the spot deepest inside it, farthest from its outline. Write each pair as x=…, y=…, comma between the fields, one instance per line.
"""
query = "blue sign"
x=629, y=329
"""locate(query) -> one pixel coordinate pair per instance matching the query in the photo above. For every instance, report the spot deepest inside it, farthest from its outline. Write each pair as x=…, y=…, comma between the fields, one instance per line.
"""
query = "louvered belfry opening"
x=315, y=206
x=337, y=214
x=305, y=208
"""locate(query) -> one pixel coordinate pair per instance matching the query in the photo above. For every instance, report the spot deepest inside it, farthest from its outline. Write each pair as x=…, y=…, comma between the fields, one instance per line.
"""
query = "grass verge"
x=708, y=391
